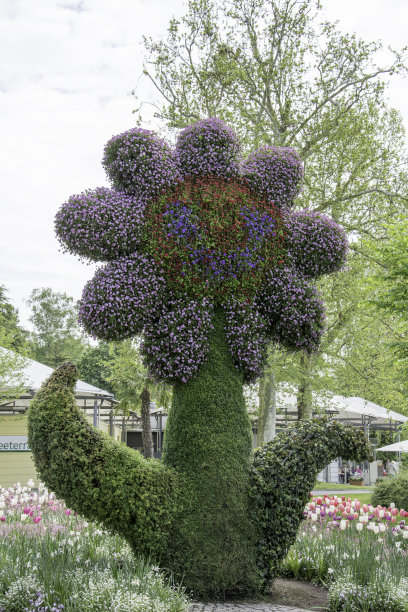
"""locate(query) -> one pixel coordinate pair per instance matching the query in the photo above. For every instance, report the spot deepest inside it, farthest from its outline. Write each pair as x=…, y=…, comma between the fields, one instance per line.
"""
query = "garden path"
x=241, y=607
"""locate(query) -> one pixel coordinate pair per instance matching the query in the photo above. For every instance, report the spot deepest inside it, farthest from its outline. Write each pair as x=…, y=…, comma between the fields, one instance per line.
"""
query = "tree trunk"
x=267, y=403
x=270, y=408
x=304, y=397
x=148, y=446
x=208, y=442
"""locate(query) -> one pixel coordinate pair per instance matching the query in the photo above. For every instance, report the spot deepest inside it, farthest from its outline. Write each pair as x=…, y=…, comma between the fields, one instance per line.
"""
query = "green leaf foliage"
x=96, y=476
x=392, y=490
x=208, y=442
x=284, y=472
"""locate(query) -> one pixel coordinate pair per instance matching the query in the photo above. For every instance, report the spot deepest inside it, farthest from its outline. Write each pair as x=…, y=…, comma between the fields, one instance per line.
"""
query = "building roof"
x=398, y=447
x=354, y=410
x=35, y=374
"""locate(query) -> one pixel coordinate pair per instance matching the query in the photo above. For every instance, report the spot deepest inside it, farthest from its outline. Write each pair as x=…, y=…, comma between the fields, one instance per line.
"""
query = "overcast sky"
x=66, y=72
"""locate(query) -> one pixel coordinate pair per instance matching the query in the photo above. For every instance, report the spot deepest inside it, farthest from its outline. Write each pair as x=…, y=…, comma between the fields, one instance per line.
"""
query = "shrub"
x=283, y=474
x=392, y=490
x=106, y=481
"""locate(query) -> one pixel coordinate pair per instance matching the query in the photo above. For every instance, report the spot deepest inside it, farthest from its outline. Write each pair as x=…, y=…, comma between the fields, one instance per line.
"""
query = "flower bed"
x=359, y=552
x=52, y=559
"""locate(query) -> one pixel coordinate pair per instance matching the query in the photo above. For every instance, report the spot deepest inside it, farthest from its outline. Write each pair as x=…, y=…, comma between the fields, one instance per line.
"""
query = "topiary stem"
x=208, y=442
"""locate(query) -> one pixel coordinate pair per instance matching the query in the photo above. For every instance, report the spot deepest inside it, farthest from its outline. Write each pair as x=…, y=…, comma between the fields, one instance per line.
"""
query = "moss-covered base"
x=208, y=442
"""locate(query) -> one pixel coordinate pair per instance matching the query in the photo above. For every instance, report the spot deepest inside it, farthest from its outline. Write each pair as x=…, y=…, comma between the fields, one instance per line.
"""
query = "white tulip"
x=382, y=527
x=381, y=513
x=359, y=526
x=24, y=517
x=376, y=529
x=343, y=525
x=405, y=534
x=392, y=505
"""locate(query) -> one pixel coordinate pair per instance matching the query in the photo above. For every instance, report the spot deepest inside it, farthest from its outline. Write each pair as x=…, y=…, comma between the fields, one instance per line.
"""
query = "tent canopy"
x=398, y=447
x=34, y=374
x=354, y=410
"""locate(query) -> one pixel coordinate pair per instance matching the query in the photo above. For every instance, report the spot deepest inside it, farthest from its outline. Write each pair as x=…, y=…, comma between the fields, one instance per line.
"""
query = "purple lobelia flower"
x=188, y=230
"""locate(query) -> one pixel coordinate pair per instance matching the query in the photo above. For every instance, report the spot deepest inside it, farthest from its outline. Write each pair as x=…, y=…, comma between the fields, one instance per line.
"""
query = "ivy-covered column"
x=208, y=443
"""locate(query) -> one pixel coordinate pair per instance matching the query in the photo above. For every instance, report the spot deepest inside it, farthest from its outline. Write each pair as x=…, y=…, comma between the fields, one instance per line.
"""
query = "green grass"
x=330, y=486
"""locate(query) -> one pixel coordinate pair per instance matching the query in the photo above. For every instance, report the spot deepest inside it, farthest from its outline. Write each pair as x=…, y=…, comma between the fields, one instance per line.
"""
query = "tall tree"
x=94, y=365
x=135, y=388
x=56, y=337
x=12, y=334
x=280, y=75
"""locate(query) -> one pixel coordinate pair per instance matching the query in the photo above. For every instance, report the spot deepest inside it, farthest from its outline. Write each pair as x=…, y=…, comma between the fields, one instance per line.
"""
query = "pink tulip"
x=394, y=511
x=37, y=519
x=365, y=508
x=393, y=519
x=2, y=519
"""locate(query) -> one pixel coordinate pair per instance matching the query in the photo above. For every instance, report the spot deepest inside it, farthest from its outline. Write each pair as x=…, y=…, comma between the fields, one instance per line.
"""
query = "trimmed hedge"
x=208, y=442
x=392, y=490
x=284, y=472
x=105, y=481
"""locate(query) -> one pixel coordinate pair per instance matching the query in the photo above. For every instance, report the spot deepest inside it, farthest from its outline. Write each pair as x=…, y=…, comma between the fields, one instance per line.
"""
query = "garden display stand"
x=205, y=259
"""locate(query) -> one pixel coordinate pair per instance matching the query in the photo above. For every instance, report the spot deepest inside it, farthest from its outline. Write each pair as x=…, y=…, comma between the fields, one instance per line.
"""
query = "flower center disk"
x=214, y=236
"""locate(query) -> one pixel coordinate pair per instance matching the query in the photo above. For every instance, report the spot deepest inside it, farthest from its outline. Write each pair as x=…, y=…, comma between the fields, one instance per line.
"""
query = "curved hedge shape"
x=284, y=472
x=105, y=481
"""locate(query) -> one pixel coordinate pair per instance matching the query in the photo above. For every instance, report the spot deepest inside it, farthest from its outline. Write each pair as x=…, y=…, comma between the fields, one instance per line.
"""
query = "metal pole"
x=95, y=414
x=111, y=425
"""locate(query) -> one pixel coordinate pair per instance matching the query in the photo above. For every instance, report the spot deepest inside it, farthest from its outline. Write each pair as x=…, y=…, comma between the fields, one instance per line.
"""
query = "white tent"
x=35, y=373
x=398, y=447
x=355, y=410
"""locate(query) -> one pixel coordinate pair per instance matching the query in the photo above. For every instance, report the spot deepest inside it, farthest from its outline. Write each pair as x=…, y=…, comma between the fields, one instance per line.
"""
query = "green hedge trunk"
x=208, y=442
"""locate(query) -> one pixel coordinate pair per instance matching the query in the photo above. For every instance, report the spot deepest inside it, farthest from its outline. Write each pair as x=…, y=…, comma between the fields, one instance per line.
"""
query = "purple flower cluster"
x=184, y=228
x=100, y=225
x=275, y=172
x=122, y=298
x=247, y=338
x=176, y=344
x=293, y=310
x=139, y=163
x=316, y=244
x=208, y=148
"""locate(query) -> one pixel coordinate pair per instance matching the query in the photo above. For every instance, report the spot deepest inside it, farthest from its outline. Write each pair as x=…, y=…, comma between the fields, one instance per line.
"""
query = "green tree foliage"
x=134, y=388
x=94, y=365
x=280, y=75
x=56, y=336
x=12, y=334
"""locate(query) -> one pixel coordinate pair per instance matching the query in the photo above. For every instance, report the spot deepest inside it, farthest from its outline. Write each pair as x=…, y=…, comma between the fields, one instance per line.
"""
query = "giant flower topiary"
x=205, y=260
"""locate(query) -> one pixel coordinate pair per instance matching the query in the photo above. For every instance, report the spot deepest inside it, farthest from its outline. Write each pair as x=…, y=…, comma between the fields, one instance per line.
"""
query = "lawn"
x=330, y=486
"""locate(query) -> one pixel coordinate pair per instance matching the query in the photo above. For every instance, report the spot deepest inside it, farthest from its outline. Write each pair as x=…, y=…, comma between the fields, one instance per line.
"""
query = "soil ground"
x=294, y=593
x=299, y=594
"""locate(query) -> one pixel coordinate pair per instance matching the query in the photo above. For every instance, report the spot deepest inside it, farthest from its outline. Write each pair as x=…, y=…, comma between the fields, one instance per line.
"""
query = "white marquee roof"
x=341, y=407
x=36, y=373
x=398, y=447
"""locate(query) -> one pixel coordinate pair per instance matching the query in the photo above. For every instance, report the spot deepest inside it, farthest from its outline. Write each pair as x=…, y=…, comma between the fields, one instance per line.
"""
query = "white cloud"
x=66, y=73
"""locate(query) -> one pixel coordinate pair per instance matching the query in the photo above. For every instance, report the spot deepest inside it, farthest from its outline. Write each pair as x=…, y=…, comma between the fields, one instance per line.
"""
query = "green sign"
x=14, y=444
